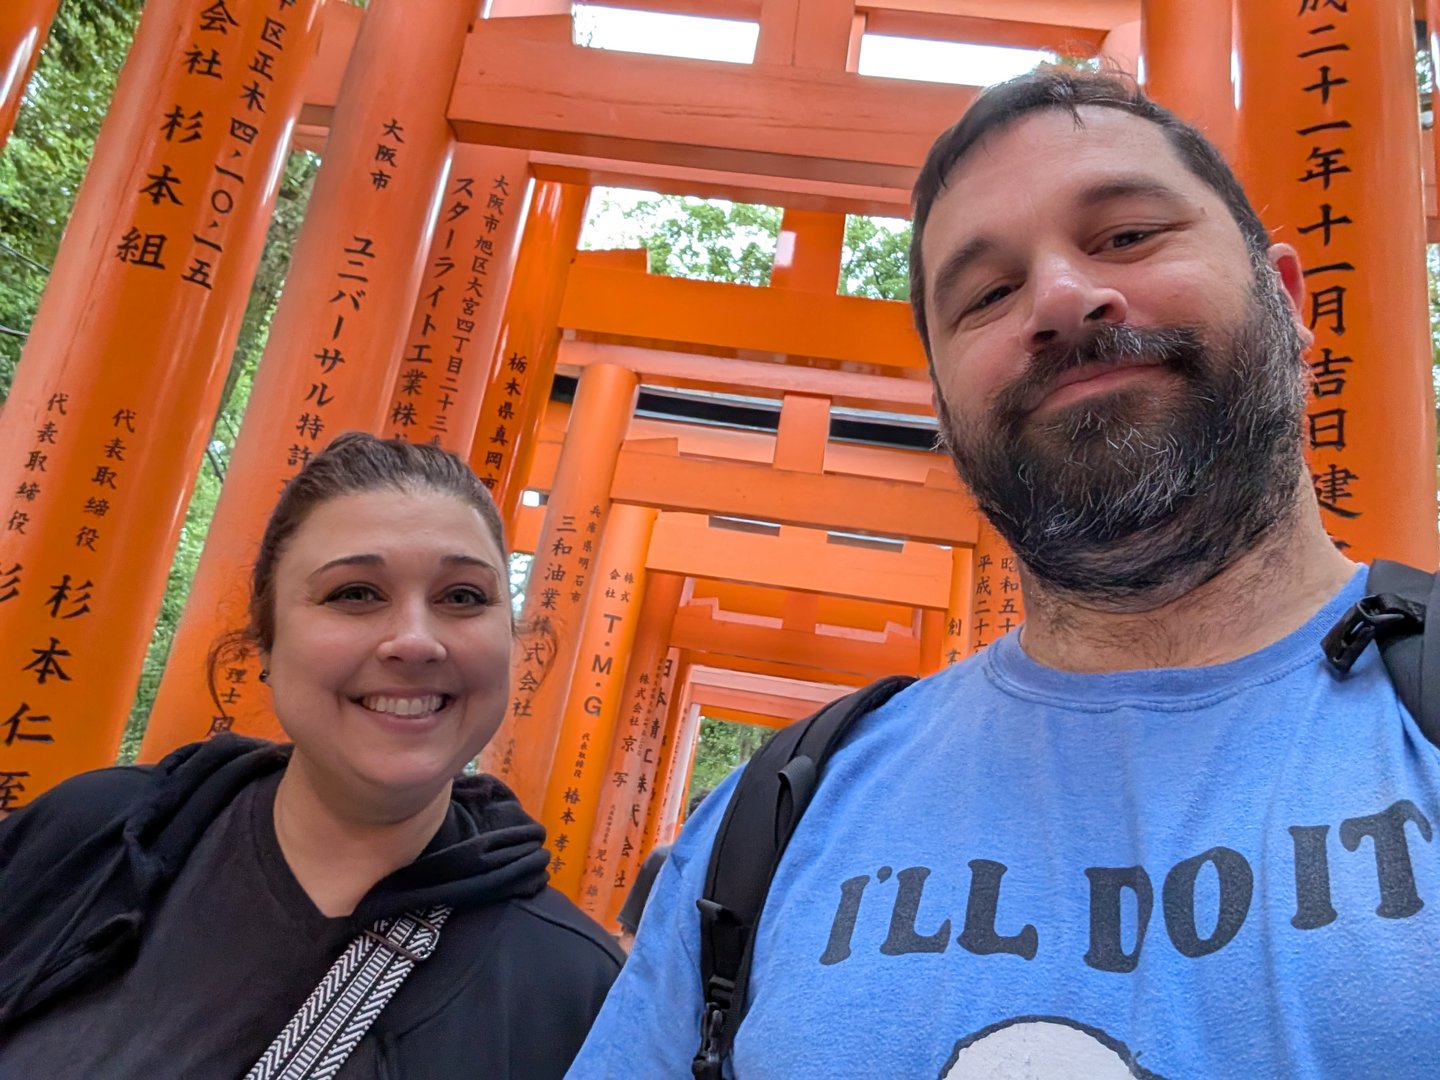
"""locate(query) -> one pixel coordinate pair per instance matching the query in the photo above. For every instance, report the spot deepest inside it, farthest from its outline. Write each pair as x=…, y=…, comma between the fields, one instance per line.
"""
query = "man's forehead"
x=1056, y=154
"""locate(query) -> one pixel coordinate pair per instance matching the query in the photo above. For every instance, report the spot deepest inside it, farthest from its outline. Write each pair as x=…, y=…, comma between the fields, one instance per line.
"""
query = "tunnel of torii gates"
x=741, y=513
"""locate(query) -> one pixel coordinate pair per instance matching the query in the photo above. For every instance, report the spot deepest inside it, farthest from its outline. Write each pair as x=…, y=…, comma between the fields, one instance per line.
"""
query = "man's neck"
x=338, y=856
x=1270, y=591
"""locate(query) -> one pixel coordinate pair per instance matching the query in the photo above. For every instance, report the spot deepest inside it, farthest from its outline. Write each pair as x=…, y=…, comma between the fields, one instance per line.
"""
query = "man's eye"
x=995, y=295
x=1129, y=239
x=352, y=594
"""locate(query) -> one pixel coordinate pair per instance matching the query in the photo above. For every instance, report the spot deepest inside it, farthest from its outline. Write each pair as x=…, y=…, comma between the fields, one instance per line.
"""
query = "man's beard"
x=1133, y=494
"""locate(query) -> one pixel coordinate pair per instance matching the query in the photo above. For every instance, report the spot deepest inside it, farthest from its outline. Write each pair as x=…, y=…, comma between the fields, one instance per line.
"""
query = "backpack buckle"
x=707, y=1062
x=1371, y=618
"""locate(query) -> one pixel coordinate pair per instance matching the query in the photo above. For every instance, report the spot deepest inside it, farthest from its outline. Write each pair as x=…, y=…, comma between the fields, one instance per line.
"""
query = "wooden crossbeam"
x=907, y=392
x=652, y=308
x=938, y=513
x=696, y=629
x=765, y=119
x=917, y=576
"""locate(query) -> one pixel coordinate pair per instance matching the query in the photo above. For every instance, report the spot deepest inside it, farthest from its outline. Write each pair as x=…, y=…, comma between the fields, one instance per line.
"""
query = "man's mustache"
x=1176, y=348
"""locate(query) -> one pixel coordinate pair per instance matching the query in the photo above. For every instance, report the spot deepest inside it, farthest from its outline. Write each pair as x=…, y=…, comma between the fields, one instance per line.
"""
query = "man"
x=636, y=899
x=1152, y=828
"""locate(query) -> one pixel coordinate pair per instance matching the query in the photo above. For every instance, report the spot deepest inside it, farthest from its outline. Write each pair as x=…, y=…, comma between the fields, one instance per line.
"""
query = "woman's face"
x=390, y=665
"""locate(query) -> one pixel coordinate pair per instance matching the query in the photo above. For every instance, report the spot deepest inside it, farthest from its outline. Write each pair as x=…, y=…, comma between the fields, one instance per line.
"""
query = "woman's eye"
x=466, y=596
x=352, y=594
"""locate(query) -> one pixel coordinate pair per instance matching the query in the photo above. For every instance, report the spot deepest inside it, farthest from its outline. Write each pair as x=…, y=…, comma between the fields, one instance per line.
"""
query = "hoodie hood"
x=87, y=863
x=487, y=850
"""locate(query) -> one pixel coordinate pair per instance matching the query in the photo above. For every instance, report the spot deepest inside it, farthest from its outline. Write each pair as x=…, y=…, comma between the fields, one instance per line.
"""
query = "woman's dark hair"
x=355, y=463
x=1065, y=88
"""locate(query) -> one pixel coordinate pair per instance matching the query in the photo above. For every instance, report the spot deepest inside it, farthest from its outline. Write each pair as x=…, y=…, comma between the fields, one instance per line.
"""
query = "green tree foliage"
x=47, y=153
x=41, y=170
x=716, y=240
x=723, y=746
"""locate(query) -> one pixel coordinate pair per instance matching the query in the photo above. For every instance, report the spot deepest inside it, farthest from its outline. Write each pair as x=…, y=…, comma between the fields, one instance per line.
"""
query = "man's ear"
x=1286, y=263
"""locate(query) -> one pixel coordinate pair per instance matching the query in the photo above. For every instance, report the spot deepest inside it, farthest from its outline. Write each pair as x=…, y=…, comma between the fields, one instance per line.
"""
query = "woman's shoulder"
x=559, y=924
x=75, y=810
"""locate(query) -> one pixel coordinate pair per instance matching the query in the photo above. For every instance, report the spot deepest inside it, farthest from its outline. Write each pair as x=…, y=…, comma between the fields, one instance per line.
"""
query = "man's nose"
x=1069, y=300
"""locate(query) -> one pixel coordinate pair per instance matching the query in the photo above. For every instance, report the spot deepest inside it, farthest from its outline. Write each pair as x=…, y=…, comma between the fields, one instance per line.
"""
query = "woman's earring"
x=265, y=674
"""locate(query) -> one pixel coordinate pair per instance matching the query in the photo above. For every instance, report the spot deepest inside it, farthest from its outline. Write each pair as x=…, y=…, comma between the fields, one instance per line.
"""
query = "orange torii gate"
x=766, y=569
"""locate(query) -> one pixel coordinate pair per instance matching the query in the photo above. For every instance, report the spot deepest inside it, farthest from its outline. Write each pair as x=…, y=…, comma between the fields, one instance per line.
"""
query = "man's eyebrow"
x=954, y=267
x=1126, y=188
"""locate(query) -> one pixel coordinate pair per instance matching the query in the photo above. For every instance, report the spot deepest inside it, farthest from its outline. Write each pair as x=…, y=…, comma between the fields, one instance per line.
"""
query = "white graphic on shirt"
x=1042, y=1048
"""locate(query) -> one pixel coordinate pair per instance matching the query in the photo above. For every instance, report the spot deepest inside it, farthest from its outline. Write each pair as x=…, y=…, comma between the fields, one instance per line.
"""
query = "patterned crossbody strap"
x=334, y=1018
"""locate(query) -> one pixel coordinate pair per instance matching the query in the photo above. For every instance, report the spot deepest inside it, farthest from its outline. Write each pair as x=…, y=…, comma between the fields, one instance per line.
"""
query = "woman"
x=172, y=921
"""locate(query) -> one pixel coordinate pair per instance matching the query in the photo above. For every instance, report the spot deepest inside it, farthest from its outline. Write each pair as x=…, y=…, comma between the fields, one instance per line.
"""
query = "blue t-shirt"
x=1012, y=871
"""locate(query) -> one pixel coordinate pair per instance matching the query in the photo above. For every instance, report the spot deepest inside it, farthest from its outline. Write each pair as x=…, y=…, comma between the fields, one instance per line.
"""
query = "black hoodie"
x=518, y=976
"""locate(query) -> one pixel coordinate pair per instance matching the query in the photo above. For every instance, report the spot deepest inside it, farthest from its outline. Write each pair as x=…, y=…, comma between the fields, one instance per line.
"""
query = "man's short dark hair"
x=1065, y=88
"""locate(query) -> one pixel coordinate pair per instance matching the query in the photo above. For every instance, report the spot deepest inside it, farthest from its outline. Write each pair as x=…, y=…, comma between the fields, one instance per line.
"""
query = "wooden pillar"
x=958, y=641
x=575, y=518
x=681, y=723
x=24, y=25
x=336, y=338
x=1432, y=27
x=997, y=607
x=529, y=339
x=808, y=252
x=932, y=641
x=1330, y=136
x=1120, y=51
x=682, y=761
x=450, y=346
x=634, y=754
x=1185, y=51
x=112, y=402
x=578, y=775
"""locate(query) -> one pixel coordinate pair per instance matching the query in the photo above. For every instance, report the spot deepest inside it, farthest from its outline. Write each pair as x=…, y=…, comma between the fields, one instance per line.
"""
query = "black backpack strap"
x=1393, y=615
x=770, y=796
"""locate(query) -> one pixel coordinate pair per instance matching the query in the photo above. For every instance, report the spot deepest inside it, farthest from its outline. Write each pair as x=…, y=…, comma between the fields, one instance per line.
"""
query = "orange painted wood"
x=767, y=119
x=699, y=630
x=808, y=252
x=449, y=351
x=1185, y=50
x=649, y=307
x=805, y=33
x=670, y=806
x=830, y=501
x=1349, y=199
x=24, y=25
x=830, y=610
x=997, y=605
x=109, y=413
x=339, y=27
x=958, y=643
x=578, y=775
x=932, y=641
x=336, y=338
x=560, y=582
x=848, y=389
x=1120, y=51
x=523, y=363
x=782, y=671
x=634, y=758
x=677, y=747
x=803, y=433
x=919, y=575
x=679, y=179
